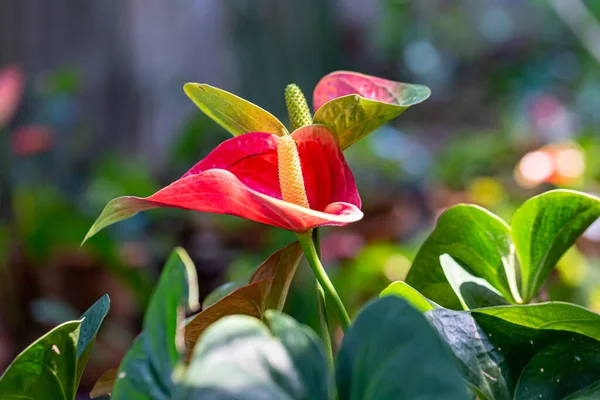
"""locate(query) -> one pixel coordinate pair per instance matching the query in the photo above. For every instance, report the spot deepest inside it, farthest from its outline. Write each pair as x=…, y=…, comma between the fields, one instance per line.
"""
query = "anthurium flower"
x=295, y=182
x=350, y=104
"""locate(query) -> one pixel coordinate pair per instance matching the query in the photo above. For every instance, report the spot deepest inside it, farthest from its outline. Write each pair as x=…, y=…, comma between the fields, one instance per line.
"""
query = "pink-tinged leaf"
x=12, y=83
x=267, y=289
x=353, y=105
x=233, y=113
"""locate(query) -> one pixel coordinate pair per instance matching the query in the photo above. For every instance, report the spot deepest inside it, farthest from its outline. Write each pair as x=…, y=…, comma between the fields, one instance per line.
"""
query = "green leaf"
x=46, y=369
x=268, y=289
x=148, y=366
x=406, y=292
x=588, y=393
x=354, y=105
x=472, y=292
x=306, y=351
x=238, y=358
x=403, y=358
x=117, y=210
x=479, y=241
x=91, y=321
x=137, y=377
x=233, y=113
x=556, y=316
x=560, y=370
x=482, y=364
x=544, y=228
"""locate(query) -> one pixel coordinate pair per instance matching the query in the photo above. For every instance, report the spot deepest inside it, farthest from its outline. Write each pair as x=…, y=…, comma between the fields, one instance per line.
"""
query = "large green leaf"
x=591, y=392
x=482, y=364
x=405, y=291
x=559, y=370
x=233, y=113
x=91, y=321
x=479, y=241
x=306, y=351
x=47, y=369
x=544, y=227
x=239, y=358
x=556, y=316
x=472, y=292
x=147, y=368
x=354, y=105
x=268, y=289
x=392, y=352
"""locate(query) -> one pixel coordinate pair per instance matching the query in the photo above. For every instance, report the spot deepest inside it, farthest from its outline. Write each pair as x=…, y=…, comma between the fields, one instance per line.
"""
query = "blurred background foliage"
x=91, y=108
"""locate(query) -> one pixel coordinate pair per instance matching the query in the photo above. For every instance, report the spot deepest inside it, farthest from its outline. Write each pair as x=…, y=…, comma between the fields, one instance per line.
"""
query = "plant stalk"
x=313, y=259
x=322, y=306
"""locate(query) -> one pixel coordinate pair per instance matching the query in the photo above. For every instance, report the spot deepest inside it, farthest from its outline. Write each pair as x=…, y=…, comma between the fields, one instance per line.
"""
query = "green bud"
x=297, y=107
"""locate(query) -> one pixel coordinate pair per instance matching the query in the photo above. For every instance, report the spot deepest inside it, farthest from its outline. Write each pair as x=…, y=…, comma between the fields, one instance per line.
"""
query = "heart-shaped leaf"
x=267, y=289
x=555, y=316
x=588, y=393
x=481, y=363
x=544, y=227
x=91, y=321
x=479, y=241
x=406, y=292
x=354, y=105
x=559, y=370
x=47, y=369
x=238, y=357
x=403, y=358
x=147, y=368
x=233, y=113
x=472, y=292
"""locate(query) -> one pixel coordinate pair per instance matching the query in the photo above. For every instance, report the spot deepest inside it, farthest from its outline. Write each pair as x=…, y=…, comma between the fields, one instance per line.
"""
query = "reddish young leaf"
x=353, y=105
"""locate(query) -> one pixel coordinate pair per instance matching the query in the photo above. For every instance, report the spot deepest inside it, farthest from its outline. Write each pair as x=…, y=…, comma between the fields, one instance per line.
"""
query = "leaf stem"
x=322, y=306
x=313, y=259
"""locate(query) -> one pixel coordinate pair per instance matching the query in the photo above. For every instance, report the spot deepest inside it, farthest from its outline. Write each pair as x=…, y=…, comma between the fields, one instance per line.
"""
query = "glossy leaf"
x=238, y=357
x=147, y=368
x=556, y=316
x=560, y=370
x=91, y=321
x=482, y=364
x=353, y=105
x=306, y=351
x=478, y=240
x=472, y=292
x=591, y=392
x=47, y=369
x=267, y=289
x=403, y=358
x=236, y=115
x=544, y=228
x=137, y=378
x=406, y=292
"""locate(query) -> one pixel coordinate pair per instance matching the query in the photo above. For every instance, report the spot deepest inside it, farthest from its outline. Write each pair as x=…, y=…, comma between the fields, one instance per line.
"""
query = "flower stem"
x=313, y=259
x=322, y=306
